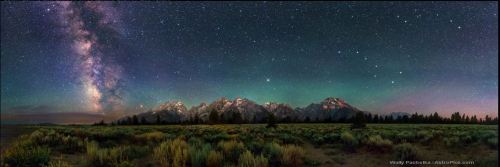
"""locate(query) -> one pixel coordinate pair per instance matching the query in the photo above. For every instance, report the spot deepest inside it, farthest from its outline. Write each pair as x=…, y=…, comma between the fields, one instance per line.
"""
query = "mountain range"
x=175, y=111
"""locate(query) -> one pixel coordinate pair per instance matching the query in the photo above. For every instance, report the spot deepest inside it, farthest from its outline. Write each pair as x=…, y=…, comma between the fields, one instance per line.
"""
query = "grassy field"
x=251, y=145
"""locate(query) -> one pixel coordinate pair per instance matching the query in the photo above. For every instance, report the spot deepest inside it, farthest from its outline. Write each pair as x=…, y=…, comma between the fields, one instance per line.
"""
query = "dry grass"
x=172, y=153
x=292, y=155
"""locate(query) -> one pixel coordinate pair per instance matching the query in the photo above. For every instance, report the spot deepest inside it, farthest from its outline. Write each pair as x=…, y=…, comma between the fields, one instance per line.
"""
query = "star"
x=268, y=79
x=459, y=27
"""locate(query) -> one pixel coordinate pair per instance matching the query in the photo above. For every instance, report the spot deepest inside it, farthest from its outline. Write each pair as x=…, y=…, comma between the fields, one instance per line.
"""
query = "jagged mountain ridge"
x=329, y=108
x=175, y=111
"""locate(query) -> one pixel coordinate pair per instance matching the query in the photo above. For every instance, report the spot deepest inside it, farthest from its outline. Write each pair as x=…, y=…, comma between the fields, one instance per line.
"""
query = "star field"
x=379, y=56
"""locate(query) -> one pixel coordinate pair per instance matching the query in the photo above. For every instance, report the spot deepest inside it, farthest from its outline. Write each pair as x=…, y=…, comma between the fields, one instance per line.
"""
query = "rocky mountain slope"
x=249, y=111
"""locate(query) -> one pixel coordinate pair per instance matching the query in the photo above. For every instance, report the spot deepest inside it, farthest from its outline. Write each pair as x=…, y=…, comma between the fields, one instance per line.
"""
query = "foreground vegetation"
x=251, y=145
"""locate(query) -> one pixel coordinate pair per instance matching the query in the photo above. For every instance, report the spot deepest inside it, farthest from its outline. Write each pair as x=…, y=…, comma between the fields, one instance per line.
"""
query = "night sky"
x=105, y=57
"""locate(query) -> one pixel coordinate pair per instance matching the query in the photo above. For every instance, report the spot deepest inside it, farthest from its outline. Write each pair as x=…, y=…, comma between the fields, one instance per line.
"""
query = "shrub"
x=172, y=153
x=106, y=156
x=406, y=152
x=485, y=135
x=151, y=137
x=405, y=136
x=290, y=139
x=318, y=139
x=232, y=150
x=213, y=138
x=92, y=151
x=292, y=155
x=196, y=142
x=451, y=141
x=37, y=136
x=255, y=146
x=28, y=156
x=72, y=144
x=199, y=155
x=214, y=159
x=331, y=137
x=349, y=141
x=376, y=143
x=136, y=151
x=425, y=136
x=492, y=142
x=273, y=151
x=59, y=141
x=248, y=160
x=466, y=139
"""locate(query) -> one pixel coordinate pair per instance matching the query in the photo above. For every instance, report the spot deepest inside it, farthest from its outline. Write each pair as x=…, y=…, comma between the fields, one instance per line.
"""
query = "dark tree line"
x=235, y=117
x=435, y=118
x=415, y=118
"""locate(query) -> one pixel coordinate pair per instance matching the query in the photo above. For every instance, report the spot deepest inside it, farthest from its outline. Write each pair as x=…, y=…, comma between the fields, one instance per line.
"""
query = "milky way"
x=100, y=76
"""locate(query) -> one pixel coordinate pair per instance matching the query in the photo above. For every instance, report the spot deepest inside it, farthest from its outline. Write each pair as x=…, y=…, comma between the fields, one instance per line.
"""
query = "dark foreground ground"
x=8, y=133
x=249, y=145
